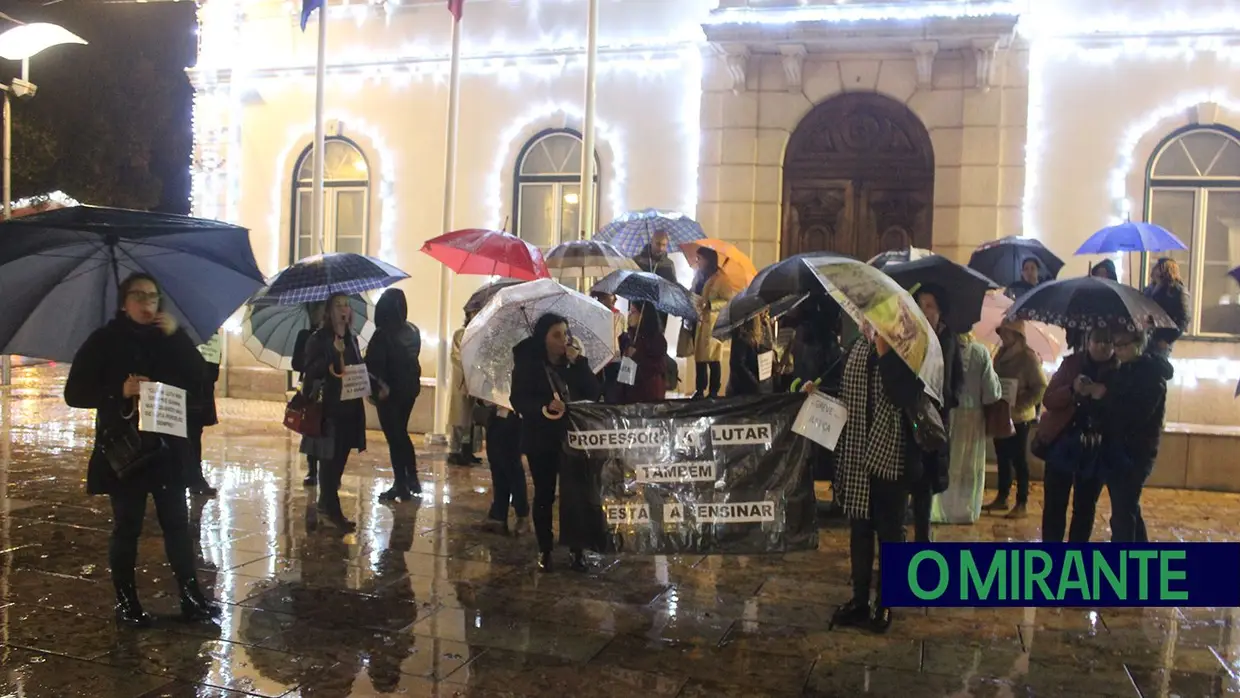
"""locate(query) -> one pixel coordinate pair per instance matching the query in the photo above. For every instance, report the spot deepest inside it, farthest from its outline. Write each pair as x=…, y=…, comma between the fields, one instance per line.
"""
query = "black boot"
x=194, y=606
x=577, y=561
x=544, y=562
x=129, y=609
x=852, y=614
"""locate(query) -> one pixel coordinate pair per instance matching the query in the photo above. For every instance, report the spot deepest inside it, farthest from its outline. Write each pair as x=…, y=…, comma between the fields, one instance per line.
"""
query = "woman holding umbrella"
x=1167, y=290
x=141, y=344
x=548, y=372
x=707, y=352
x=329, y=354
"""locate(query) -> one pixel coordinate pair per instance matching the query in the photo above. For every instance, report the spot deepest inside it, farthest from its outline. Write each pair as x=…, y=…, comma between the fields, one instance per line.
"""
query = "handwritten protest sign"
x=355, y=384
x=162, y=410
x=821, y=420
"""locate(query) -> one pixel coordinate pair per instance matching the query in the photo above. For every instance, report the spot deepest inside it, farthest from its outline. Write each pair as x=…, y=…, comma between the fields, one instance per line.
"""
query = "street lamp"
x=19, y=44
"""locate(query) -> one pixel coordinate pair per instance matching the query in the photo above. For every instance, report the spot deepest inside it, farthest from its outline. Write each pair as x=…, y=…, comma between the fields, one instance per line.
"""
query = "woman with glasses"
x=141, y=344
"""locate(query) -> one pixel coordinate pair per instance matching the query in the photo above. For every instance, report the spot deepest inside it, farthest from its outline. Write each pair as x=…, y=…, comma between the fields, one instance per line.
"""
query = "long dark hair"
x=940, y=299
x=122, y=291
x=712, y=266
x=542, y=328
x=650, y=323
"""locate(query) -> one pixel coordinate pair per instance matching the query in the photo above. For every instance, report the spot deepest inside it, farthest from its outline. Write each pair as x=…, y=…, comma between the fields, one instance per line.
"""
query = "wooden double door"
x=858, y=179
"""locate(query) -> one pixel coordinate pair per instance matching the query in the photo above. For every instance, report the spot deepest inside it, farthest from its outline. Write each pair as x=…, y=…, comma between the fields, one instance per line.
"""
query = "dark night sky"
x=163, y=32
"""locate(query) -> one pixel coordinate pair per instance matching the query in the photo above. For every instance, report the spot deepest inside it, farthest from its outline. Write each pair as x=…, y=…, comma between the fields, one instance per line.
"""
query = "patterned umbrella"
x=509, y=317
x=965, y=289
x=745, y=306
x=645, y=287
x=480, y=297
x=1087, y=302
x=1047, y=341
x=323, y=276
x=1131, y=237
x=870, y=296
x=586, y=258
x=736, y=266
x=1000, y=260
x=632, y=231
x=270, y=331
x=488, y=252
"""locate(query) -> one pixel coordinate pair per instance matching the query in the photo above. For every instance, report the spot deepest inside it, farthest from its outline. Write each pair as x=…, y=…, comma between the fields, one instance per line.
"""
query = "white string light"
x=876, y=12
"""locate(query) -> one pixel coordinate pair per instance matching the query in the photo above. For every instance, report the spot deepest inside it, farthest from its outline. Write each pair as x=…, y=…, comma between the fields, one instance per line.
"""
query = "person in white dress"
x=962, y=502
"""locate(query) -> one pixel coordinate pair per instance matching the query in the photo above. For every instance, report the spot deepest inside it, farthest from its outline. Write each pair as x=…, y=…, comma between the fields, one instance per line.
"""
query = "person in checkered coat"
x=877, y=461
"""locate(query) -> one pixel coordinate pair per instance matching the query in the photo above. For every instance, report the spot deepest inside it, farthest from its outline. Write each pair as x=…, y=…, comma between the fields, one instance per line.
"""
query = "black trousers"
x=1012, y=456
x=332, y=471
x=128, y=511
x=507, y=474
x=1084, y=492
x=922, y=495
x=709, y=374
x=1124, y=484
x=193, y=456
x=545, y=471
x=888, y=502
x=394, y=420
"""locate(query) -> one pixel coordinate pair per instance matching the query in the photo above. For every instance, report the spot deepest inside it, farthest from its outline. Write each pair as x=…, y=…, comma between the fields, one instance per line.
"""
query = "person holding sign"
x=751, y=363
x=548, y=373
x=333, y=357
x=642, y=355
x=1020, y=367
x=142, y=345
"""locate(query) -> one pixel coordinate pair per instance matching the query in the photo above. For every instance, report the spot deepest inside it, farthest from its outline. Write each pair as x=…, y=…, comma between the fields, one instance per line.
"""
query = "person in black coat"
x=316, y=312
x=548, y=373
x=654, y=258
x=1167, y=290
x=932, y=300
x=392, y=360
x=1134, y=403
x=749, y=341
x=142, y=344
x=1029, y=279
x=507, y=473
x=330, y=354
x=202, y=414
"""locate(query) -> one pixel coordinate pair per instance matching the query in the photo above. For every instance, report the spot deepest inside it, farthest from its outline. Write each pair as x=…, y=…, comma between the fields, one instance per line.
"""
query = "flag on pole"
x=454, y=6
x=308, y=6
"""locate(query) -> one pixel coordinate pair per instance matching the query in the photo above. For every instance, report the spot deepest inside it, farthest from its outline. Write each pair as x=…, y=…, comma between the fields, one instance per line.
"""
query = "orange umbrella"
x=736, y=266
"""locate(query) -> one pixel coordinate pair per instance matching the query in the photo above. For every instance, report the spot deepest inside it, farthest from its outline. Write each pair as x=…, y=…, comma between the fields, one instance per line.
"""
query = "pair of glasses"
x=144, y=296
x=1122, y=345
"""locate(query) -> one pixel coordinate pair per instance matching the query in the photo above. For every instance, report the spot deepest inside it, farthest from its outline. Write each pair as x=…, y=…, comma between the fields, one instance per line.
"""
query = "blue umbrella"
x=632, y=231
x=323, y=276
x=645, y=287
x=1131, y=237
x=60, y=269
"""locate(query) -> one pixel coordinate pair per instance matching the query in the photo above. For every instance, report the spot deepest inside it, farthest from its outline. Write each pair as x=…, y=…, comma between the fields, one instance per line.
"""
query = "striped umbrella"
x=632, y=231
x=323, y=276
x=270, y=331
x=586, y=258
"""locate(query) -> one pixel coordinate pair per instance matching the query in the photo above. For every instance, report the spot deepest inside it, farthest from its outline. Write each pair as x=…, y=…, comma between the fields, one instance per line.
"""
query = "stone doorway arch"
x=858, y=178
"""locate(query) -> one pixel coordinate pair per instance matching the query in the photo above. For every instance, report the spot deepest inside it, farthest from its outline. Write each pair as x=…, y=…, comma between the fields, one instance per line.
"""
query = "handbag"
x=686, y=343
x=927, y=423
x=999, y=420
x=127, y=450
x=304, y=414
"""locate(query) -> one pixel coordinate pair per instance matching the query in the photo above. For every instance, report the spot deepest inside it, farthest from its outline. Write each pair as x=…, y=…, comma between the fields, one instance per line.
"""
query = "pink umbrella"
x=1045, y=340
x=489, y=253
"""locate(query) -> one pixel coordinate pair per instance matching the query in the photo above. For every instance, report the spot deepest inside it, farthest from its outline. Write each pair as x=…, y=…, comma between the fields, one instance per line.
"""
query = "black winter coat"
x=937, y=464
x=1134, y=407
x=96, y=382
x=392, y=356
x=743, y=371
x=1174, y=300
x=532, y=378
x=661, y=266
x=321, y=358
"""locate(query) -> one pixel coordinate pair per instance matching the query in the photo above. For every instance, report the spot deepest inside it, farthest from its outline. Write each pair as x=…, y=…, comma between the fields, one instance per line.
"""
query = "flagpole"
x=449, y=209
x=320, y=145
x=588, y=193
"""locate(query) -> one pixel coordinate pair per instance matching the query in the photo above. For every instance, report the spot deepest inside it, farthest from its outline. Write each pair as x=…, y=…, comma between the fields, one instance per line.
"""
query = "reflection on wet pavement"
x=421, y=602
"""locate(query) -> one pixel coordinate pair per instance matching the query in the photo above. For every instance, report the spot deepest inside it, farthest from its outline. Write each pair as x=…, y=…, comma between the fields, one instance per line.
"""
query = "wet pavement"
x=421, y=602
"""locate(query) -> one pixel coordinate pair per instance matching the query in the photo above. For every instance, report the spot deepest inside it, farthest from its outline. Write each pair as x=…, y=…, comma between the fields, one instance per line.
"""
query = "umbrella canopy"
x=489, y=253
x=870, y=296
x=322, y=276
x=484, y=293
x=60, y=269
x=789, y=277
x=1235, y=274
x=645, y=287
x=735, y=266
x=509, y=317
x=1000, y=260
x=908, y=254
x=965, y=288
x=1131, y=237
x=745, y=306
x=270, y=331
x=578, y=259
x=1047, y=341
x=632, y=231
x=1087, y=302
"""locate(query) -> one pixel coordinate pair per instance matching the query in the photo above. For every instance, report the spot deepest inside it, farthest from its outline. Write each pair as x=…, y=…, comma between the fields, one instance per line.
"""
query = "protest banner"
x=707, y=476
x=162, y=410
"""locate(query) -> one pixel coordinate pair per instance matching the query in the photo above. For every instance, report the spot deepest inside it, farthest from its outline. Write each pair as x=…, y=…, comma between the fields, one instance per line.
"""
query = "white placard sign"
x=628, y=371
x=821, y=420
x=161, y=410
x=766, y=361
x=355, y=384
x=213, y=350
x=1009, y=386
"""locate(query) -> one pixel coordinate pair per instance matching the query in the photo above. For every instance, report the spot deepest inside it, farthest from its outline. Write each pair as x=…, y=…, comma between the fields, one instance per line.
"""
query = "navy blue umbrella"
x=1086, y=302
x=60, y=269
x=323, y=276
x=645, y=287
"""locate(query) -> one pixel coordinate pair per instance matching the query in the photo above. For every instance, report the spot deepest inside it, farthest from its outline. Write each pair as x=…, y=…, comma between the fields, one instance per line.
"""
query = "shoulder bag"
x=304, y=413
x=999, y=420
x=927, y=424
x=127, y=450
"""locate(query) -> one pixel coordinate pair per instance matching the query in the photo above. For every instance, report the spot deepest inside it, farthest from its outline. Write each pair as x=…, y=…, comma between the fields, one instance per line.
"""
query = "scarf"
x=873, y=438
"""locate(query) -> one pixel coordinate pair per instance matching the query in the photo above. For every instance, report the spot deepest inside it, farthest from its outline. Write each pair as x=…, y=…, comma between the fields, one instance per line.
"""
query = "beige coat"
x=460, y=406
x=716, y=293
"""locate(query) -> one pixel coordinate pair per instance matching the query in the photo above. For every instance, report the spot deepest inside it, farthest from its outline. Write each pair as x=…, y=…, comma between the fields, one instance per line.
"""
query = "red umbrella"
x=489, y=253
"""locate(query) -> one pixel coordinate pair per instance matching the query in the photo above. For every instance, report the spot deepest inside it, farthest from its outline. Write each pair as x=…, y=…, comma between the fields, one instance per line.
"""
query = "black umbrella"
x=1087, y=302
x=323, y=276
x=60, y=269
x=486, y=292
x=645, y=287
x=745, y=306
x=789, y=277
x=1000, y=260
x=965, y=288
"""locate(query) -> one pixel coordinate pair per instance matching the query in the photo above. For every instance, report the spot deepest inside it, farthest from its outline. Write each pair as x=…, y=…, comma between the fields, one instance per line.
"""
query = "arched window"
x=1193, y=190
x=547, y=196
x=346, y=201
